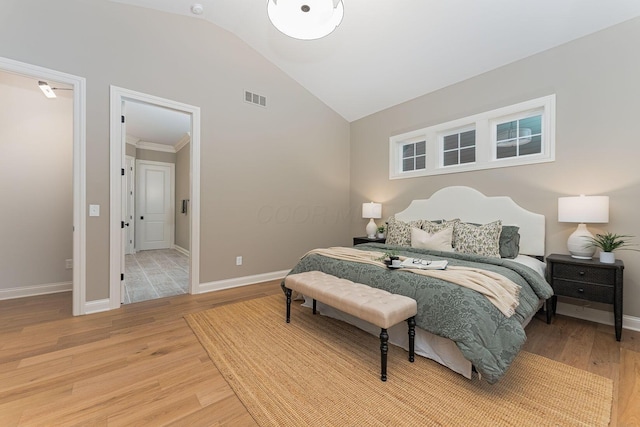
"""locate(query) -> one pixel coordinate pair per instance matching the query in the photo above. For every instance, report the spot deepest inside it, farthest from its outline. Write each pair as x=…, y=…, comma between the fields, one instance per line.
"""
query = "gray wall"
x=183, y=171
x=274, y=180
x=36, y=152
x=596, y=82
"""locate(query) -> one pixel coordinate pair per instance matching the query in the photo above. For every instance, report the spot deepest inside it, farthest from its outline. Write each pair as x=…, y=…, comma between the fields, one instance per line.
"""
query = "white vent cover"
x=254, y=98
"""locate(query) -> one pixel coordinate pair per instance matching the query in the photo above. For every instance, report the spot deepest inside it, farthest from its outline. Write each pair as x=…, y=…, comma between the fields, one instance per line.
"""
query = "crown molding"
x=183, y=141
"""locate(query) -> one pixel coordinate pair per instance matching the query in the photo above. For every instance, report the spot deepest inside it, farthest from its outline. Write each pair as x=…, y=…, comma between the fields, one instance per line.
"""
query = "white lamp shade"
x=372, y=210
x=308, y=20
x=583, y=209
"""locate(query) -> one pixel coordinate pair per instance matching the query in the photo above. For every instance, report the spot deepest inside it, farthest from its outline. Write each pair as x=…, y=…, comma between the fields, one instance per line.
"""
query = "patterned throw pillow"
x=435, y=226
x=478, y=239
x=438, y=241
x=399, y=232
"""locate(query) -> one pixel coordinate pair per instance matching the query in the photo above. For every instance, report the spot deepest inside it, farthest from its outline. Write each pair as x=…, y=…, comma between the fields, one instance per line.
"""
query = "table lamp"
x=582, y=210
x=372, y=211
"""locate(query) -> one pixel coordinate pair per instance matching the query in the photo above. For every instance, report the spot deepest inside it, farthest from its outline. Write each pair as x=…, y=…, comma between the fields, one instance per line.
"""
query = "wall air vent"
x=254, y=98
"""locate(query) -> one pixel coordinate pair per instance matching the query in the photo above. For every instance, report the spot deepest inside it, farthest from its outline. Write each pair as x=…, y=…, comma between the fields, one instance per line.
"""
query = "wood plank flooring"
x=142, y=365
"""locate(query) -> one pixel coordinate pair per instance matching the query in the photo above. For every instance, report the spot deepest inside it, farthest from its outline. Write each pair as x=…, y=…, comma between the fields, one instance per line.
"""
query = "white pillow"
x=438, y=241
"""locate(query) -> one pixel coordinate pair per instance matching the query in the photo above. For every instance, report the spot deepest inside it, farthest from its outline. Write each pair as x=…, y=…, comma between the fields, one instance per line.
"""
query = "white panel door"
x=154, y=215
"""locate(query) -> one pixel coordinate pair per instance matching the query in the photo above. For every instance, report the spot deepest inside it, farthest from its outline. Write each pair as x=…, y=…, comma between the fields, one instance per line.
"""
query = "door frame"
x=117, y=161
x=172, y=199
x=79, y=230
x=128, y=200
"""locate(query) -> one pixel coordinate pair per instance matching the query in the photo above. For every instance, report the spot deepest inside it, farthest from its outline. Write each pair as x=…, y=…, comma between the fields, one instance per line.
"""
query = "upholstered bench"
x=375, y=306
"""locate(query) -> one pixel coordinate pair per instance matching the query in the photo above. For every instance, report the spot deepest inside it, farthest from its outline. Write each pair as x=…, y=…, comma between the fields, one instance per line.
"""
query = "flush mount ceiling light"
x=305, y=19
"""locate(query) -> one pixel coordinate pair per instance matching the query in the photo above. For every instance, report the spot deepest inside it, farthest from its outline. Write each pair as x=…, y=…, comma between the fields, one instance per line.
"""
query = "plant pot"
x=380, y=235
x=607, y=257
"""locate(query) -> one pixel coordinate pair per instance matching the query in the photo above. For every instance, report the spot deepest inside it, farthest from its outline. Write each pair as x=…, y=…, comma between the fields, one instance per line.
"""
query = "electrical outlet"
x=68, y=264
x=238, y=260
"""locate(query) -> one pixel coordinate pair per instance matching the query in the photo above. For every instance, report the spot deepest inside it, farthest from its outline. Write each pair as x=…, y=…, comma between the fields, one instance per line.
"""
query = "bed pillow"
x=509, y=241
x=478, y=239
x=438, y=241
x=438, y=225
x=399, y=232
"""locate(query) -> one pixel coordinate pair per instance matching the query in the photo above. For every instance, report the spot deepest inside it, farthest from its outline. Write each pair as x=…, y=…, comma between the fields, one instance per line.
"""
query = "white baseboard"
x=240, y=281
x=181, y=250
x=598, y=316
x=97, y=306
x=33, y=290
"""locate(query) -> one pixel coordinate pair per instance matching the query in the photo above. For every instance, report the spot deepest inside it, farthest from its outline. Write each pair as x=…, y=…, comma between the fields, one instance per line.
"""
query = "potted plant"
x=609, y=242
x=389, y=257
x=381, y=232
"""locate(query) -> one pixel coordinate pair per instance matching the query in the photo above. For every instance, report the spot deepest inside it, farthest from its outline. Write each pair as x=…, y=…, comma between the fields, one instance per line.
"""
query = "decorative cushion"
x=509, y=241
x=435, y=226
x=399, y=232
x=478, y=239
x=438, y=241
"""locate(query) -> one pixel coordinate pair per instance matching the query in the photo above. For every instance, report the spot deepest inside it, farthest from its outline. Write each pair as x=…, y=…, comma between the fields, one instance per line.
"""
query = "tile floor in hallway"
x=155, y=274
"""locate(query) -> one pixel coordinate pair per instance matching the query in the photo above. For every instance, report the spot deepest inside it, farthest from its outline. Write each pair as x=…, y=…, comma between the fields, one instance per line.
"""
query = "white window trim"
x=456, y=131
x=485, y=125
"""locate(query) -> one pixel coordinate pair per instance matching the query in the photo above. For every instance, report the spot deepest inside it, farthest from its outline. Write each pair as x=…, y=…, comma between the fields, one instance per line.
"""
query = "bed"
x=456, y=326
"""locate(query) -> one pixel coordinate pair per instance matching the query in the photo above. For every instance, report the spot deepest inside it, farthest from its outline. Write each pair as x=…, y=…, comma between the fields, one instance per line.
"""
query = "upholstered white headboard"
x=470, y=205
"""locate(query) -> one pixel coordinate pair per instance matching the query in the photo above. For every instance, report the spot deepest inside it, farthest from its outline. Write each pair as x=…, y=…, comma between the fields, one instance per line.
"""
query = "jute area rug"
x=317, y=371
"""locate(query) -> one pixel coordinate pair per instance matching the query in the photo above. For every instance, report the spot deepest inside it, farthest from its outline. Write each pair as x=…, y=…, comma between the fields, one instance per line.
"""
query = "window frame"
x=485, y=126
x=458, y=132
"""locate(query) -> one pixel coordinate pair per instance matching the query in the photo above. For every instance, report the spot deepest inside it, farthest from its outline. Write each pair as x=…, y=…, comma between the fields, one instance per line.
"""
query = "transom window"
x=459, y=148
x=519, y=137
x=413, y=156
x=518, y=134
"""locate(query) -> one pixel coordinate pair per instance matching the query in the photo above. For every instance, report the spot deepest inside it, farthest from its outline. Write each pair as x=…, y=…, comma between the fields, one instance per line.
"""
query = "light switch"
x=94, y=210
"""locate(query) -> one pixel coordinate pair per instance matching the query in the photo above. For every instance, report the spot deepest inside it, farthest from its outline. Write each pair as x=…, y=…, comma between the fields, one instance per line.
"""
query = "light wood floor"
x=142, y=365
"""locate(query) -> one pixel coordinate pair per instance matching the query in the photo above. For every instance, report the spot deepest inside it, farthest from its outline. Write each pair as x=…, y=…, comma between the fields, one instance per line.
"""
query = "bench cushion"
x=376, y=306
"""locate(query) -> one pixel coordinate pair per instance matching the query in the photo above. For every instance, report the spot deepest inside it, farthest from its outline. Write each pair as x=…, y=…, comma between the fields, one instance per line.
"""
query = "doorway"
x=78, y=227
x=121, y=100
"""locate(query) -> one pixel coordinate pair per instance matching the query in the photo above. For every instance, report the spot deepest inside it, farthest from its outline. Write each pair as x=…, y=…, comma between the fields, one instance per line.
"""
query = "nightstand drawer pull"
x=581, y=273
x=581, y=290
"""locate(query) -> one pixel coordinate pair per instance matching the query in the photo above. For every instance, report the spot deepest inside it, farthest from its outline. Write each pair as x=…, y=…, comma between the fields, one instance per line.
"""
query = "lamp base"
x=371, y=229
x=578, y=243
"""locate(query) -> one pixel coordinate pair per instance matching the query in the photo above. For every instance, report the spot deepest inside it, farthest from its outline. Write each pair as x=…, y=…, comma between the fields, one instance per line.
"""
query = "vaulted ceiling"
x=387, y=52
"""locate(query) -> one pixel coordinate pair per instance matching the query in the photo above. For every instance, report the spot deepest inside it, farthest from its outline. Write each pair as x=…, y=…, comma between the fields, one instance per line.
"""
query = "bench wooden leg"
x=384, y=348
x=288, y=292
x=412, y=337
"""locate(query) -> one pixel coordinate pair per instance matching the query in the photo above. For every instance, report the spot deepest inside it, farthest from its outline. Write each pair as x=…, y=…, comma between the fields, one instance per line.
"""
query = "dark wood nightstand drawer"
x=584, y=273
x=583, y=290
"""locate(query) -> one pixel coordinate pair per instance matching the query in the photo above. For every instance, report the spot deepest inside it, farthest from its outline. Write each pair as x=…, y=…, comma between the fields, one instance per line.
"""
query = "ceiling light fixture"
x=307, y=19
x=46, y=89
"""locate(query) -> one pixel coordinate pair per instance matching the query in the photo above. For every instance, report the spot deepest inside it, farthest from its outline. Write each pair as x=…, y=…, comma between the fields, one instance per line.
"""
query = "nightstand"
x=359, y=240
x=586, y=279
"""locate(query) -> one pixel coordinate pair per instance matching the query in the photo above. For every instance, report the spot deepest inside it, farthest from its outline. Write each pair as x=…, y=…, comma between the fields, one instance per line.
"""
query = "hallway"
x=155, y=274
